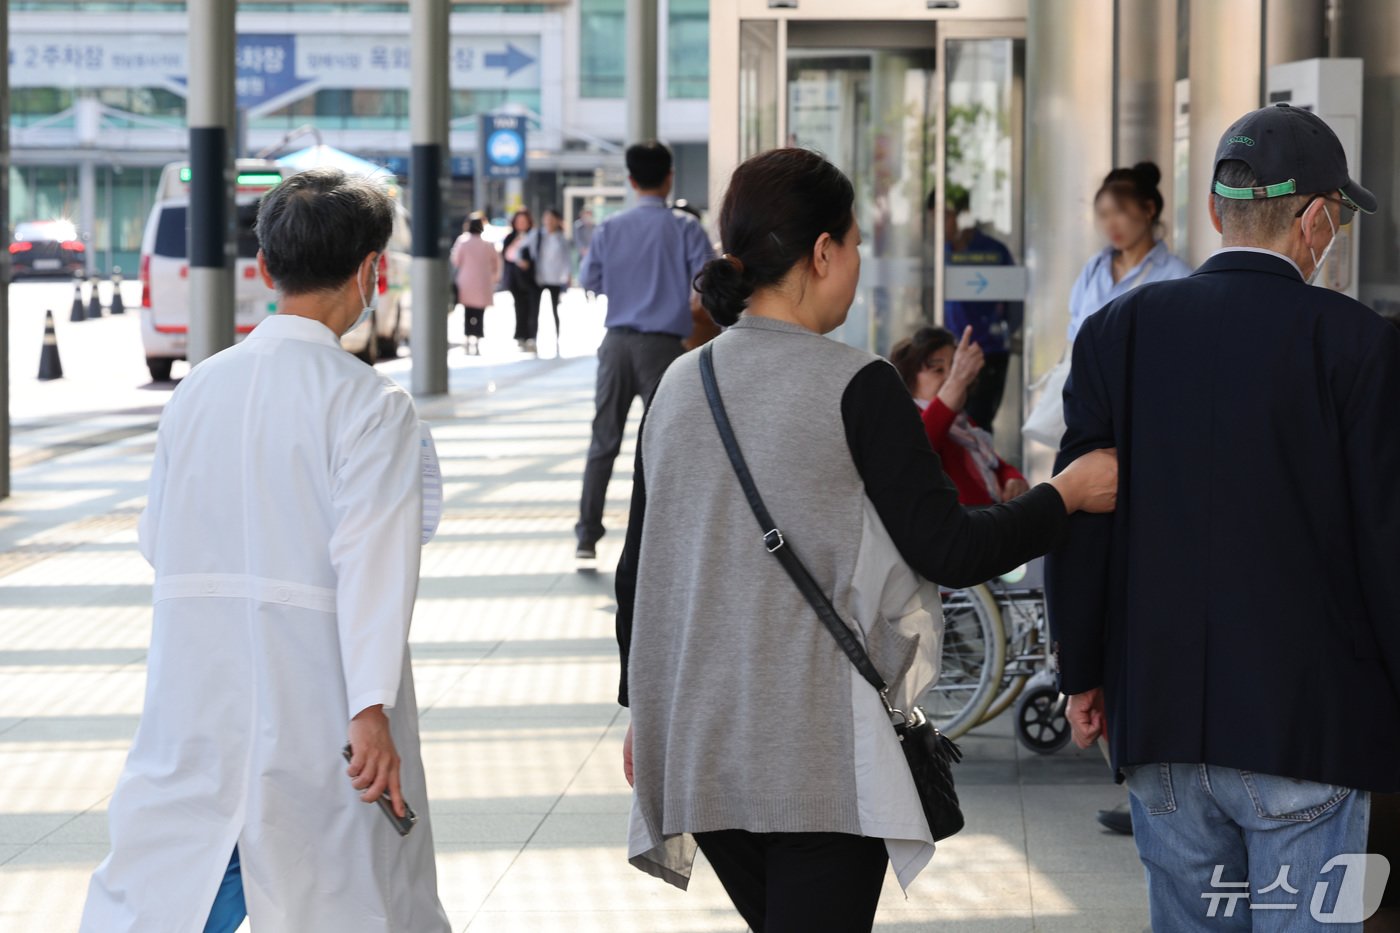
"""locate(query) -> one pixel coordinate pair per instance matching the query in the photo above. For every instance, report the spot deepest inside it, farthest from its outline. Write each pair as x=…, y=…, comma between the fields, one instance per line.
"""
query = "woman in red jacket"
x=938, y=371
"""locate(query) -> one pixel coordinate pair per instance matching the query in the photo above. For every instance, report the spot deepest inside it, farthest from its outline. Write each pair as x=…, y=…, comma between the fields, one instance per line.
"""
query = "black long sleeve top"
x=917, y=502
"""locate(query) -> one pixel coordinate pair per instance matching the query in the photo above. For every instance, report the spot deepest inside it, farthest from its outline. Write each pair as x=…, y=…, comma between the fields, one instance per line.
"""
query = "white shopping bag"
x=1046, y=424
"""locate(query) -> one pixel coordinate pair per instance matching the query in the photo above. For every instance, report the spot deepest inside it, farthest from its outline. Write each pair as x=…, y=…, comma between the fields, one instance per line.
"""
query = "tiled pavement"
x=516, y=674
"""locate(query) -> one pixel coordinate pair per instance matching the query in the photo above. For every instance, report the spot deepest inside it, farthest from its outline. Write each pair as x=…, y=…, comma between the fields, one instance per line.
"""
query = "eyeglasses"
x=1345, y=215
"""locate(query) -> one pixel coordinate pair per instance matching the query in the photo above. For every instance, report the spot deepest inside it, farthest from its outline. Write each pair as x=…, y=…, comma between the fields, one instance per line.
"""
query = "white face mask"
x=1319, y=260
x=368, y=308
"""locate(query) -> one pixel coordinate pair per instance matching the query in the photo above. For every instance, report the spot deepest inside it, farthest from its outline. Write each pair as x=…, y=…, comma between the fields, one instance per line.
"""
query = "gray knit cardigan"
x=745, y=713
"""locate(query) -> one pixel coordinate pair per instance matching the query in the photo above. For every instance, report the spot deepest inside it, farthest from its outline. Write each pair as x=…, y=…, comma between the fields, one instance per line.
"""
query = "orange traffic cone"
x=50, y=366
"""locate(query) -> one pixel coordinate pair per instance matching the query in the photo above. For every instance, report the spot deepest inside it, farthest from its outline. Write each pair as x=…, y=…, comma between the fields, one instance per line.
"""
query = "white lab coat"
x=284, y=528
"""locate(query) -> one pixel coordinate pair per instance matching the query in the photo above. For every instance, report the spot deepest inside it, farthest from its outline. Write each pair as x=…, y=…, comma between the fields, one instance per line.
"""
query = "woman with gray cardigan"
x=752, y=734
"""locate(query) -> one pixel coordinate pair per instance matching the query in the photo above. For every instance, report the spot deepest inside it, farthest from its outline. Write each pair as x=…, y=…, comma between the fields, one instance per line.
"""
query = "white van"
x=165, y=283
x=165, y=265
x=165, y=287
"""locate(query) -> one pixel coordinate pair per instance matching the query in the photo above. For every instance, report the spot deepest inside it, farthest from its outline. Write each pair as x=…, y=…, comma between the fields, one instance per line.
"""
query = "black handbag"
x=930, y=753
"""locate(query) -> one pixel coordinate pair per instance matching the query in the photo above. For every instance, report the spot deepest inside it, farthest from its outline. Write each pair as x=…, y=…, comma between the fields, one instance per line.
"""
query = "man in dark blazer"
x=1234, y=628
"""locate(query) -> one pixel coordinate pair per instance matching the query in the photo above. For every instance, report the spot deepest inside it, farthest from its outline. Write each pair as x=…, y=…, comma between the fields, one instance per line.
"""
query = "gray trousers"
x=629, y=364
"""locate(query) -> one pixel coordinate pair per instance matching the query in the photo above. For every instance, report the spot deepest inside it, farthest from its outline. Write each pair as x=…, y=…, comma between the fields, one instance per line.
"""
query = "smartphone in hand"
x=403, y=825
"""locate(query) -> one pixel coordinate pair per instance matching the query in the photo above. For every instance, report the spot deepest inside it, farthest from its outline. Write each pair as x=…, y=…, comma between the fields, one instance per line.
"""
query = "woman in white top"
x=1128, y=208
x=552, y=254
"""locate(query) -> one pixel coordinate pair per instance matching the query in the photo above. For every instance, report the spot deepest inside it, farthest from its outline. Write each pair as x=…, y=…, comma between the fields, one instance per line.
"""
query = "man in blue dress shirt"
x=645, y=260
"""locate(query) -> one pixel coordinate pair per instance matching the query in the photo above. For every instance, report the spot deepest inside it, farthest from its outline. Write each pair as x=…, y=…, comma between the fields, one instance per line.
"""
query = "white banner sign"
x=271, y=68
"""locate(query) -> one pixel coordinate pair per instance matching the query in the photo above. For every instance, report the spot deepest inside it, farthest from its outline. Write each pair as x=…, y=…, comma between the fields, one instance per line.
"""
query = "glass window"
x=688, y=49
x=39, y=101
x=124, y=202
x=470, y=103
x=43, y=192
x=758, y=86
x=31, y=104
x=331, y=106
x=170, y=233
x=156, y=102
x=247, y=233
x=602, y=39
x=872, y=112
x=342, y=108
x=378, y=109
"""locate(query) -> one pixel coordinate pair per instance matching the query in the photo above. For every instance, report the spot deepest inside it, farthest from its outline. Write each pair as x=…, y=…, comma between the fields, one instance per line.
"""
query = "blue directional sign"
x=267, y=68
x=512, y=59
x=503, y=145
x=985, y=283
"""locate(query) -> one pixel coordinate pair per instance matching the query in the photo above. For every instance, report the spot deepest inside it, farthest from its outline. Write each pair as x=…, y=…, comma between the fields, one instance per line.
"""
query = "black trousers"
x=630, y=364
x=984, y=398
x=799, y=882
x=554, y=291
x=475, y=321
x=527, y=309
x=474, y=318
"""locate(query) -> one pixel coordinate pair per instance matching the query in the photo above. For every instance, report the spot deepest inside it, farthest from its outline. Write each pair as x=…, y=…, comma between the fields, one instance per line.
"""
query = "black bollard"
x=50, y=366
x=77, y=314
x=94, y=310
x=118, y=306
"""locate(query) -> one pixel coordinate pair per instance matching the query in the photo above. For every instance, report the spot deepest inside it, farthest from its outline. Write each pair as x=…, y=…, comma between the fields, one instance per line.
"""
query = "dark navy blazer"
x=1242, y=606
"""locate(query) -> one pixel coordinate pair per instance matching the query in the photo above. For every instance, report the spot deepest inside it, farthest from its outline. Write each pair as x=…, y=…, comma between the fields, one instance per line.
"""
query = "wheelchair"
x=996, y=656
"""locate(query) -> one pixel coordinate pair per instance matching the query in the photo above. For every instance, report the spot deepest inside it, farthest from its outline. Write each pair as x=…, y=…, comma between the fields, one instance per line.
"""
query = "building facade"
x=98, y=107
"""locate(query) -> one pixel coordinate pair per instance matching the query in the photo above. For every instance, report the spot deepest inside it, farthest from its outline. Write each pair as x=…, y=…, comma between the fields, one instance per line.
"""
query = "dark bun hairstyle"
x=778, y=205
x=911, y=354
x=1138, y=185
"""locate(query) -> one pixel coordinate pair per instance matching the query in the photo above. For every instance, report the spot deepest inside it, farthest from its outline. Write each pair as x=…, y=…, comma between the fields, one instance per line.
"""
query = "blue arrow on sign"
x=512, y=60
x=981, y=282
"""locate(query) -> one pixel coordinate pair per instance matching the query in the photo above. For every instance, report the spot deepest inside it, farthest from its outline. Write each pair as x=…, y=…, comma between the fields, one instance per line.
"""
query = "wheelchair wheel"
x=973, y=660
x=1010, y=691
x=1041, y=725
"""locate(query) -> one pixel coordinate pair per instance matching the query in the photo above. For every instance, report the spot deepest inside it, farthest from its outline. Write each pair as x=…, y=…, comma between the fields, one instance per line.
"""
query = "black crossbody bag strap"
x=773, y=538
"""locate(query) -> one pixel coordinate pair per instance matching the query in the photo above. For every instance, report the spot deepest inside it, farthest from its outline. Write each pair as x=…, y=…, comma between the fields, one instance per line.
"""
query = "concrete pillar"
x=4, y=258
x=1368, y=30
x=428, y=117
x=87, y=209
x=1069, y=83
x=1294, y=30
x=1145, y=49
x=641, y=70
x=211, y=120
x=1225, y=71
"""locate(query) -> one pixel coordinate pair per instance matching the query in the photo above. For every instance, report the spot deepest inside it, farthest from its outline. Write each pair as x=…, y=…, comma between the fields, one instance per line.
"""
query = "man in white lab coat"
x=284, y=525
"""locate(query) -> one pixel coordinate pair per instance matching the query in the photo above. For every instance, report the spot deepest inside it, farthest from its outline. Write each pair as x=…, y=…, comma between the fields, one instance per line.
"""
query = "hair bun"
x=1148, y=173
x=723, y=290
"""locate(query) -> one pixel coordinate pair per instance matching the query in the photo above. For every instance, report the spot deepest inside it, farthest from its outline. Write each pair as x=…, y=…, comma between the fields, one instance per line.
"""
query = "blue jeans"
x=229, y=910
x=1231, y=850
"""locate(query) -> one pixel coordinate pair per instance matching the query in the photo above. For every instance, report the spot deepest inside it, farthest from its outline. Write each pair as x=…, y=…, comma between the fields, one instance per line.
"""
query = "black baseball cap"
x=1291, y=151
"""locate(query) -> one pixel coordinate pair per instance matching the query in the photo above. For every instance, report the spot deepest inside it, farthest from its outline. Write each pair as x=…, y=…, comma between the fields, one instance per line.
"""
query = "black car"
x=46, y=247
